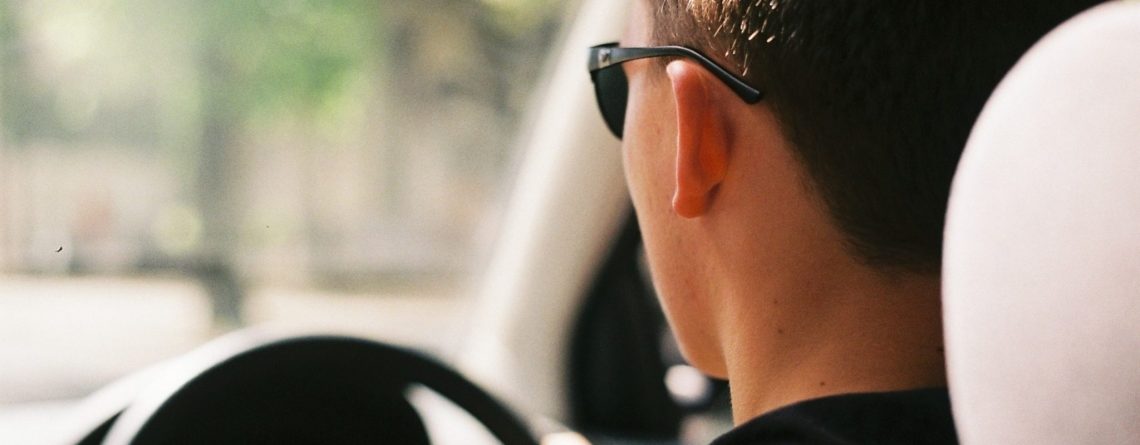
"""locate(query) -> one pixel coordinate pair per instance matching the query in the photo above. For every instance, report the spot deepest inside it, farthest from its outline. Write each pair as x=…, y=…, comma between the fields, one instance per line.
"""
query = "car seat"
x=1041, y=269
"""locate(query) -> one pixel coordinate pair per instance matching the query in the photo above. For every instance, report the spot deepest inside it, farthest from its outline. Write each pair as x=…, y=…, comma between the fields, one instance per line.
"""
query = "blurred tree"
x=260, y=60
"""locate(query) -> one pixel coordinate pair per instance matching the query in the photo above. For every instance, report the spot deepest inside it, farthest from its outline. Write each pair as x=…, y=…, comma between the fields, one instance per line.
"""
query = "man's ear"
x=702, y=138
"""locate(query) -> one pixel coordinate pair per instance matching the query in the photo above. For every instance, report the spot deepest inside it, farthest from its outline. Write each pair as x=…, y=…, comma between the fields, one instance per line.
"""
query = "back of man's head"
x=877, y=96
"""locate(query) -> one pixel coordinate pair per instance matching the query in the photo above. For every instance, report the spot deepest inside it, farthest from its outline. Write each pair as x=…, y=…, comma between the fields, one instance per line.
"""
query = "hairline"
x=716, y=47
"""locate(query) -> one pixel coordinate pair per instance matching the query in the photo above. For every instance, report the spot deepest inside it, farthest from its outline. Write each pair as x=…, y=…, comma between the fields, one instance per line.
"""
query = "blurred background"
x=171, y=170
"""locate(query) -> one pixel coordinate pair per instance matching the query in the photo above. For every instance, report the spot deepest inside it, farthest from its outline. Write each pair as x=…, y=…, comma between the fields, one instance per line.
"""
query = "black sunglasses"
x=612, y=88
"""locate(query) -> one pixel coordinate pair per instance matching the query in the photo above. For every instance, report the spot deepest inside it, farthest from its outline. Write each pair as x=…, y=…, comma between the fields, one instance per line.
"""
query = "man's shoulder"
x=920, y=416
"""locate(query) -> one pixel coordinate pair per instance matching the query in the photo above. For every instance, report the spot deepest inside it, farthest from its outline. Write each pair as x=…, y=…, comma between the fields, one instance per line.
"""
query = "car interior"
x=563, y=342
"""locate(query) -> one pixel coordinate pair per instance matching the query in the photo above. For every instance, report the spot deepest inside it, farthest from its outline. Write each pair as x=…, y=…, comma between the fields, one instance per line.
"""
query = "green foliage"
x=269, y=57
x=522, y=17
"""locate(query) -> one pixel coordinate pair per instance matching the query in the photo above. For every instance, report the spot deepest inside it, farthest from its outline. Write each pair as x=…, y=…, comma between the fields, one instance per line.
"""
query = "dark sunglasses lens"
x=612, y=89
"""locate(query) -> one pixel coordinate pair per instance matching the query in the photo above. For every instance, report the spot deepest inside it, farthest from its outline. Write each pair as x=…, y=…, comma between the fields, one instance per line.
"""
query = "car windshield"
x=171, y=171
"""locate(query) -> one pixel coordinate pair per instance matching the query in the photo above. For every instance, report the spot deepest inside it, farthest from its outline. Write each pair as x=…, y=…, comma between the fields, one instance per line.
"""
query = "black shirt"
x=905, y=417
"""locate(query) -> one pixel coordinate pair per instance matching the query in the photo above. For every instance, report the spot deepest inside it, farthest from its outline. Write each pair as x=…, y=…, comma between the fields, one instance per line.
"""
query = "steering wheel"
x=246, y=389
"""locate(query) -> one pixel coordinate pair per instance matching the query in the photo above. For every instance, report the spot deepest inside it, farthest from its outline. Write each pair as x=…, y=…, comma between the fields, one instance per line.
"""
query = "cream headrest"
x=1042, y=248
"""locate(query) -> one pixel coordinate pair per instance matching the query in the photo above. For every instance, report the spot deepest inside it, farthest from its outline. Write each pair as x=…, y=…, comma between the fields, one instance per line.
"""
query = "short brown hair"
x=877, y=96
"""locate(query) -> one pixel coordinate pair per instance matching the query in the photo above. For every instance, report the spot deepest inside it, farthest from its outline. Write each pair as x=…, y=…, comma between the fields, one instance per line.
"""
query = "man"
x=790, y=172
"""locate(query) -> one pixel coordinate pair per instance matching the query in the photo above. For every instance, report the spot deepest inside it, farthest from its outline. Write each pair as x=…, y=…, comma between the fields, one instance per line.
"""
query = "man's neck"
x=796, y=315
x=847, y=331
